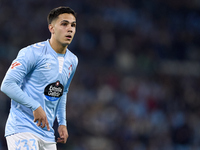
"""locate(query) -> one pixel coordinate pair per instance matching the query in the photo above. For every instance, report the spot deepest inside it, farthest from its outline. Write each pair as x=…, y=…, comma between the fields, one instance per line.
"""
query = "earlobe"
x=51, y=29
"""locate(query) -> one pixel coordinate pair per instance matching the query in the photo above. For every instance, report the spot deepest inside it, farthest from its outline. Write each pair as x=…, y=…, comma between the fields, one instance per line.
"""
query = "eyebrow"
x=67, y=21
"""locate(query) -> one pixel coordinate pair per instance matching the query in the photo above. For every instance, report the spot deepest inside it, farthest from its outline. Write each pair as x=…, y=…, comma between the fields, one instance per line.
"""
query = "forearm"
x=11, y=89
x=61, y=111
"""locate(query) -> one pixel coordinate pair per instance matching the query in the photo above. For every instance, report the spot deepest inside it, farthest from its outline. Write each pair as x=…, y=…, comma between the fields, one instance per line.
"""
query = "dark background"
x=137, y=83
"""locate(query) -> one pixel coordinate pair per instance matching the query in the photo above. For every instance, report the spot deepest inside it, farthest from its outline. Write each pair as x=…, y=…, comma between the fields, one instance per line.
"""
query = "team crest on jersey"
x=70, y=70
x=15, y=64
x=53, y=91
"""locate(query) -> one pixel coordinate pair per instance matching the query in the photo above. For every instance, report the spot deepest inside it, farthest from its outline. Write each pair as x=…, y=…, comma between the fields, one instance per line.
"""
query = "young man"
x=37, y=82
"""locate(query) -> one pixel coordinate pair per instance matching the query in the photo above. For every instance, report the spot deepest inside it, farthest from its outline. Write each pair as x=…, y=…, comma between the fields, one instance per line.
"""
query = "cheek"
x=59, y=33
x=74, y=31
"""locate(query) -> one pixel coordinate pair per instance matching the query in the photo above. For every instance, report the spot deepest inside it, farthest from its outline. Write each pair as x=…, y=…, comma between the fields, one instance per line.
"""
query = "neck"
x=58, y=47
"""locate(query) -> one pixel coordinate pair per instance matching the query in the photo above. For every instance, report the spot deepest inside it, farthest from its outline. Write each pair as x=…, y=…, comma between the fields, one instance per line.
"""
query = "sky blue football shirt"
x=38, y=77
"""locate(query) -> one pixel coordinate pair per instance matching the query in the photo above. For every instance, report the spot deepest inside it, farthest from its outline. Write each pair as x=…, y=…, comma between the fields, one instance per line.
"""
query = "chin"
x=65, y=44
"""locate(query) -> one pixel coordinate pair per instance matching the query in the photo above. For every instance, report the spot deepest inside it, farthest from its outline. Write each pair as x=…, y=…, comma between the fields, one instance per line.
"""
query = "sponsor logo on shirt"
x=53, y=91
x=15, y=64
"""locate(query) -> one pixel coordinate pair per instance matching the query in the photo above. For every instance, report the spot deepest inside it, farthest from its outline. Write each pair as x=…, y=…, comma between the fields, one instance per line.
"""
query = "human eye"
x=64, y=24
x=73, y=25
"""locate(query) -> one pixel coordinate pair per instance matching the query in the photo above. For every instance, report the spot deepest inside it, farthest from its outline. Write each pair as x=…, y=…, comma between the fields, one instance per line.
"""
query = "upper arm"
x=22, y=65
x=74, y=66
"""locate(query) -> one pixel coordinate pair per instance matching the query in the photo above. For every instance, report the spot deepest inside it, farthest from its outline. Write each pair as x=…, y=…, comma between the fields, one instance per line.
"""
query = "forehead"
x=66, y=16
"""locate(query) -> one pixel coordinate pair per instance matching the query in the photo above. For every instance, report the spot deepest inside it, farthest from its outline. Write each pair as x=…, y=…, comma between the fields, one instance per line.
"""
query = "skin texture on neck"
x=62, y=31
x=58, y=47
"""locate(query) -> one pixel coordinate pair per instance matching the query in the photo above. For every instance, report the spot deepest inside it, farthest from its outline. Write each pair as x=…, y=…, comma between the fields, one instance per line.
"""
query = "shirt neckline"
x=54, y=52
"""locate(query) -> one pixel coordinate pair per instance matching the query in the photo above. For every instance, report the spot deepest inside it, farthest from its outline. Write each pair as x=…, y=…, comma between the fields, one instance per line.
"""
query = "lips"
x=69, y=36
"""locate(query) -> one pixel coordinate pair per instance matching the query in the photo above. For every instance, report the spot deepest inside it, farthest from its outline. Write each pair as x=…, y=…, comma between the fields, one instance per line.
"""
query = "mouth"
x=68, y=36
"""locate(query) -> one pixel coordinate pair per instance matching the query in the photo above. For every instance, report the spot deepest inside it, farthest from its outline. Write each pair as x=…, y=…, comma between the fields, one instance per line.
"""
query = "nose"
x=70, y=29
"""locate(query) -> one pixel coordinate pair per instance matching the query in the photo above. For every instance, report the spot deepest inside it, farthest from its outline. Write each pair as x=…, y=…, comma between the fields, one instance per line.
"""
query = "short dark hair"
x=54, y=13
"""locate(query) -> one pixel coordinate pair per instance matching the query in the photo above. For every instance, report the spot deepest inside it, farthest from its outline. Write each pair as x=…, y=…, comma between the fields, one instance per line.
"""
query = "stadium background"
x=137, y=83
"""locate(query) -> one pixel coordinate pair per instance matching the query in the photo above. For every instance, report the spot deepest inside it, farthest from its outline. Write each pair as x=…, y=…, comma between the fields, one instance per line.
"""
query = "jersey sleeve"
x=61, y=112
x=74, y=66
x=11, y=83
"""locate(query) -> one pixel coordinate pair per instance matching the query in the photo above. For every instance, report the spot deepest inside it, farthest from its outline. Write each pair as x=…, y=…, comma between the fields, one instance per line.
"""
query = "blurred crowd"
x=137, y=83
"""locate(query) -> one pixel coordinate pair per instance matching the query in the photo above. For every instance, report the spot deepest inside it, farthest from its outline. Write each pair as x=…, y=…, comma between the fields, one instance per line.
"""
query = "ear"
x=51, y=28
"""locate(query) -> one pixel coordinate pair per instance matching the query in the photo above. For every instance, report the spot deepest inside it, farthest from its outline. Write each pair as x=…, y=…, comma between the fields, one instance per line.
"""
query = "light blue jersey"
x=38, y=77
